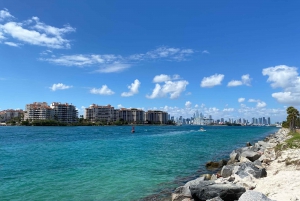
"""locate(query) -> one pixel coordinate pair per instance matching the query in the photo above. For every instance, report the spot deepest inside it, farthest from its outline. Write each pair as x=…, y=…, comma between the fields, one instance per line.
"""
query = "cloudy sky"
x=230, y=59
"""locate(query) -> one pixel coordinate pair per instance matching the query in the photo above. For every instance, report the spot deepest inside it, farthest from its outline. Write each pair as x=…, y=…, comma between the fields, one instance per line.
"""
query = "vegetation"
x=293, y=120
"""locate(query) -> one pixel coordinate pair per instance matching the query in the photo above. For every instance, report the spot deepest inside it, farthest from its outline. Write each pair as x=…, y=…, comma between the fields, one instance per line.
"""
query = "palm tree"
x=293, y=113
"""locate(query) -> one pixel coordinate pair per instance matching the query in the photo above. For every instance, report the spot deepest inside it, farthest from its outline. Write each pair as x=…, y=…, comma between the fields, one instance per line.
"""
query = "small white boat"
x=202, y=130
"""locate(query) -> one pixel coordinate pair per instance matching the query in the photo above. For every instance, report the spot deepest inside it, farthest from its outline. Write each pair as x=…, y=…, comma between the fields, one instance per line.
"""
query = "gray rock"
x=215, y=199
x=247, y=169
x=227, y=171
x=254, y=196
x=251, y=155
x=208, y=190
x=184, y=191
x=248, y=144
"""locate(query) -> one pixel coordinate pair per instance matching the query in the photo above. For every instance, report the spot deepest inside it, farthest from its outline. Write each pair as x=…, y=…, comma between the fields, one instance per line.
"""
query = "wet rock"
x=254, y=195
x=215, y=164
x=248, y=144
x=209, y=190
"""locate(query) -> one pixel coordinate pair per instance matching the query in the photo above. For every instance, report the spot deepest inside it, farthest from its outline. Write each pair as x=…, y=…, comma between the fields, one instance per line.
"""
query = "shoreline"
x=256, y=171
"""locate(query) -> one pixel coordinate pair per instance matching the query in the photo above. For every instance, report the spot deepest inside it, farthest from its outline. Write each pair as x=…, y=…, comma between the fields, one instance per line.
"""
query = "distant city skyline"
x=228, y=59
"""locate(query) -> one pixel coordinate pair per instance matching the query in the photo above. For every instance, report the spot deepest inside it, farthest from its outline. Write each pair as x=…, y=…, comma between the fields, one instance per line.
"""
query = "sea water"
x=110, y=163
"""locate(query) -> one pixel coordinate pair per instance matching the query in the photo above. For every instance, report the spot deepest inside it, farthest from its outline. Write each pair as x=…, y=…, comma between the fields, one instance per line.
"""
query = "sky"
x=229, y=59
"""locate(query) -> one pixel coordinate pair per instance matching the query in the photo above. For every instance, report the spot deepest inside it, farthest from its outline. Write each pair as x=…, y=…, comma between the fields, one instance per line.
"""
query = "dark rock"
x=208, y=190
x=215, y=164
x=247, y=169
x=251, y=155
x=248, y=144
x=254, y=195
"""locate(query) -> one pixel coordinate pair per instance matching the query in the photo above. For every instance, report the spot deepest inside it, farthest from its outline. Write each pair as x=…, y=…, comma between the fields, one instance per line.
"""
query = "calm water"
x=110, y=163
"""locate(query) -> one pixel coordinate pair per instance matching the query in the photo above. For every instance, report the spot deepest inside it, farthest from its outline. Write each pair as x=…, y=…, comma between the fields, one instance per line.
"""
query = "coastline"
x=259, y=172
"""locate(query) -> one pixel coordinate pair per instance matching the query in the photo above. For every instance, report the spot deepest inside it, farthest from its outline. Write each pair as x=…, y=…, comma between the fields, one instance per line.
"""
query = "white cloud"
x=161, y=78
x=170, y=53
x=240, y=100
x=120, y=106
x=251, y=100
x=172, y=88
x=196, y=106
x=114, y=68
x=59, y=86
x=12, y=44
x=234, y=83
x=104, y=90
x=228, y=109
x=288, y=79
x=188, y=93
x=205, y=52
x=261, y=104
x=34, y=32
x=188, y=104
x=212, y=80
x=245, y=80
x=5, y=14
x=133, y=89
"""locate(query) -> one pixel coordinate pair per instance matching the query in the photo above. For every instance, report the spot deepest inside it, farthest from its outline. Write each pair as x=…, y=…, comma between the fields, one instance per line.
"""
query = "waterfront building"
x=64, y=112
x=131, y=115
x=38, y=111
x=7, y=115
x=101, y=113
x=156, y=116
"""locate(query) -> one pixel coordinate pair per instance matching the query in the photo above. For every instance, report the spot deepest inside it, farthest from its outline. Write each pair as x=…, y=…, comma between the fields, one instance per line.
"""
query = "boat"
x=132, y=130
x=202, y=130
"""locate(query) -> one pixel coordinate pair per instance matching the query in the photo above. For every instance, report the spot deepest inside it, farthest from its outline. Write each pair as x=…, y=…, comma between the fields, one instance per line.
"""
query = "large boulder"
x=251, y=155
x=184, y=191
x=247, y=169
x=228, y=170
x=208, y=190
x=215, y=164
x=254, y=195
x=215, y=199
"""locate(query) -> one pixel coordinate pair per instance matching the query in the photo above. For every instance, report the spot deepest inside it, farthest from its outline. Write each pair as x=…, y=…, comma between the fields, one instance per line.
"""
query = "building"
x=64, y=112
x=156, y=116
x=38, y=111
x=131, y=115
x=100, y=113
x=7, y=115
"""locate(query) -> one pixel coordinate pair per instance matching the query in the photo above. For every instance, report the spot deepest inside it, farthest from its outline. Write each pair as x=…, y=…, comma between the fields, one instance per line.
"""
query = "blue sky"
x=230, y=59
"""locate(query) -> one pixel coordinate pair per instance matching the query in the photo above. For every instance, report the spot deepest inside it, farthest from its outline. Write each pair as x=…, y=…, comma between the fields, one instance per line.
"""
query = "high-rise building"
x=64, y=112
x=38, y=111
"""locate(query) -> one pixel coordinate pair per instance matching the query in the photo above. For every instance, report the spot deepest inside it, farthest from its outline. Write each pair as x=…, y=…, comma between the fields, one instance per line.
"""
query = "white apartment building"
x=38, y=111
x=156, y=116
x=64, y=112
x=131, y=115
x=9, y=114
x=100, y=113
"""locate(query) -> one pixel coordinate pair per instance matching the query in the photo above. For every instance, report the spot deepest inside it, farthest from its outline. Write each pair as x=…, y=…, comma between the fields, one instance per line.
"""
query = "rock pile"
x=238, y=177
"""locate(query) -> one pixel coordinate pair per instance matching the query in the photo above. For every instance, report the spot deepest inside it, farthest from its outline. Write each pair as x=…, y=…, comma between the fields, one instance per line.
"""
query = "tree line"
x=292, y=120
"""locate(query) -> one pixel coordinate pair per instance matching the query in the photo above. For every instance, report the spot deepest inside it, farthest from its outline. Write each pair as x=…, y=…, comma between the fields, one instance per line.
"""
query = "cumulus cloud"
x=245, y=80
x=104, y=90
x=240, y=100
x=120, y=106
x=133, y=89
x=205, y=52
x=161, y=78
x=286, y=78
x=172, y=88
x=59, y=86
x=188, y=104
x=259, y=104
x=4, y=14
x=212, y=81
x=34, y=32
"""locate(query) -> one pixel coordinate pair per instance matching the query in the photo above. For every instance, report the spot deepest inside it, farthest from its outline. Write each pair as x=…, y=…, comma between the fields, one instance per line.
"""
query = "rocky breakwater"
x=240, y=177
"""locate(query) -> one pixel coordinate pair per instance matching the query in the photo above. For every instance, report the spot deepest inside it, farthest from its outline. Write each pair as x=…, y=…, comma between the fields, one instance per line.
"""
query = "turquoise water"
x=110, y=163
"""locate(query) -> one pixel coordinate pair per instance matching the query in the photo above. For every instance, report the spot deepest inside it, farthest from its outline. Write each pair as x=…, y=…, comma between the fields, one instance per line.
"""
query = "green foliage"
x=293, y=114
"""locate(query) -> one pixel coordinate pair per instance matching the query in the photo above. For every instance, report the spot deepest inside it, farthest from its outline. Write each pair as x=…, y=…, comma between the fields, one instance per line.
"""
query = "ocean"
x=111, y=163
